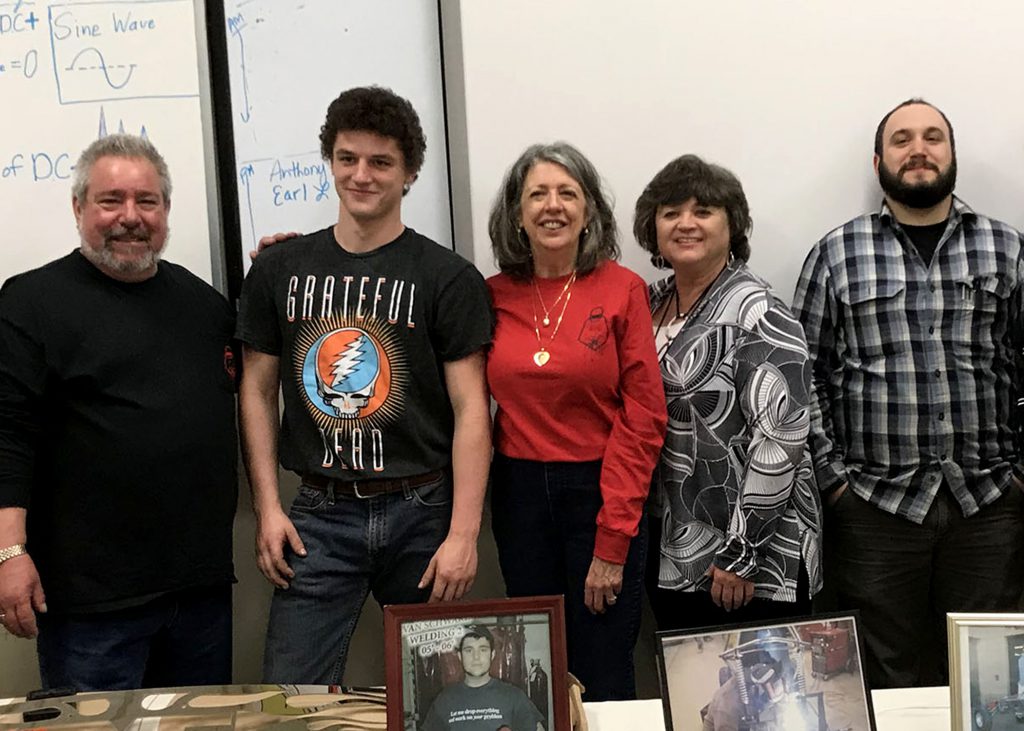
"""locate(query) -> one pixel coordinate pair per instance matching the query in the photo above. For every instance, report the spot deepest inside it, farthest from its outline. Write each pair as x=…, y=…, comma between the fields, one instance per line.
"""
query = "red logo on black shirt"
x=229, y=362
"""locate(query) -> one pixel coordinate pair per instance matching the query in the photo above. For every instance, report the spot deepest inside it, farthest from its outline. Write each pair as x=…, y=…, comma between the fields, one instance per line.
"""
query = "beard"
x=107, y=258
x=917, y=195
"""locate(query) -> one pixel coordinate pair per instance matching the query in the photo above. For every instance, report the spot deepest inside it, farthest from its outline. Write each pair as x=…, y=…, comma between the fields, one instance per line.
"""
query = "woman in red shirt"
x=581, y=409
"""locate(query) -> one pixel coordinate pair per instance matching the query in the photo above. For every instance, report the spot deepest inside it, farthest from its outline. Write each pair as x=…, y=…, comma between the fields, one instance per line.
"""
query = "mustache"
x=139, y=232
x=917, y=164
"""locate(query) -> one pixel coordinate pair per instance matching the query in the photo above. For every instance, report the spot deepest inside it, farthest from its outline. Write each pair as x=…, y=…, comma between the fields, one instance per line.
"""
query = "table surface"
x=908, y=709
x=902, y=709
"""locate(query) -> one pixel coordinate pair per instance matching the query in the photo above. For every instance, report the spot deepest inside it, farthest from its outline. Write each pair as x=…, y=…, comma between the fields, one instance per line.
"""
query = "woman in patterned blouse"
x=734, y=511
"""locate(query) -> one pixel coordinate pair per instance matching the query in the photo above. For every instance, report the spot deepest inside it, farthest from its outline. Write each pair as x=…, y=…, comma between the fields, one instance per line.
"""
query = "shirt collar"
x=957, y=212
x=663, y=288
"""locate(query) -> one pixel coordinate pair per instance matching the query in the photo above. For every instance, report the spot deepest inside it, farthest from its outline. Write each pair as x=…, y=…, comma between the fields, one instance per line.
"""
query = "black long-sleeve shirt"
x=117, y=431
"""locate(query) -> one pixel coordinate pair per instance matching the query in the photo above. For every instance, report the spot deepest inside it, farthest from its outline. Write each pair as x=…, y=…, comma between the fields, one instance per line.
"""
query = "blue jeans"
x=178, y=639
x=545, y=524
x=353, y=546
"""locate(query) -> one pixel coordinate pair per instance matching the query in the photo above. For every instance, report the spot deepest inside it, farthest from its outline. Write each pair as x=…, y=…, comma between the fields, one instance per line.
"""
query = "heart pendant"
x=541, y=357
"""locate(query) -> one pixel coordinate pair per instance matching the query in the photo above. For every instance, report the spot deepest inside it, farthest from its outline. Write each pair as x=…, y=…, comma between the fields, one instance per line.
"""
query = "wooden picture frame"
x=804, y=674
x=986, y=669
x=429, y=651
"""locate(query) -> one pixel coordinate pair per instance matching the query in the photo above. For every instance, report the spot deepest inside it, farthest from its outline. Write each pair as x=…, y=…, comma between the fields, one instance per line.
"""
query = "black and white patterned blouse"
x=735, y=485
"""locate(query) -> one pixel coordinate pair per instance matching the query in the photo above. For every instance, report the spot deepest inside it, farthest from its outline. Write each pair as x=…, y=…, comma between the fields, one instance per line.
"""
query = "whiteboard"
x=73, y=71
x=286, y=61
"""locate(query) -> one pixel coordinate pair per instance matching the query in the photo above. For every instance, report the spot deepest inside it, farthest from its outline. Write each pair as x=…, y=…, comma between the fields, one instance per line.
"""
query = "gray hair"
x=119, y=145
x=599, y=240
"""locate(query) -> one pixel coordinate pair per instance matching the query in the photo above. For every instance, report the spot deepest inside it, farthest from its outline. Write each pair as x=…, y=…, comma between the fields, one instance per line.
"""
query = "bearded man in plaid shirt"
x=913, y=319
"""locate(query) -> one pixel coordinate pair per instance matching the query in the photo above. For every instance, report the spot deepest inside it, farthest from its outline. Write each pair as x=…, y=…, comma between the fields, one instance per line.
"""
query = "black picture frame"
x=794, y=672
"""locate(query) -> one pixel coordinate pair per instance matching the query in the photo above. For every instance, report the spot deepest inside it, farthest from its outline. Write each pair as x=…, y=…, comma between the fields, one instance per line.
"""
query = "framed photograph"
x=496, y=665
x=793, y=675
x=986, y=671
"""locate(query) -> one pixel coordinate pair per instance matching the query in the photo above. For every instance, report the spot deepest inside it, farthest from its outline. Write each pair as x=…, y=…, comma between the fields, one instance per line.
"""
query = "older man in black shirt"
x=117, y=445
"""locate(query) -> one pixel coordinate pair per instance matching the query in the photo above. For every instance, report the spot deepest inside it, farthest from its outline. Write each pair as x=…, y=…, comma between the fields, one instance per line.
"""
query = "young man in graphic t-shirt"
x=375, y=335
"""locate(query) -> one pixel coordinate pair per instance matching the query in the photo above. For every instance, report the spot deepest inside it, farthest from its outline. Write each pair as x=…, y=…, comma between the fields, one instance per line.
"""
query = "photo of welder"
x=800, y=676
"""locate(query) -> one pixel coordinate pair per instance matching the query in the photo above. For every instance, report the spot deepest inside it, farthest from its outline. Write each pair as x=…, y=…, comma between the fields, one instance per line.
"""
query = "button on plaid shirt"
x=916, y=368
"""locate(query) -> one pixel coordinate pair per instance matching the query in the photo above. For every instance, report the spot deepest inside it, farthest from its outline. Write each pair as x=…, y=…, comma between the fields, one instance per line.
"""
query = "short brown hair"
x=689, y=177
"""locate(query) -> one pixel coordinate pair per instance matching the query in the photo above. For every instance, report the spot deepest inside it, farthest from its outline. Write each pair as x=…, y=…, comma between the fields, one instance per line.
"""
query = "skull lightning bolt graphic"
x=348, y=366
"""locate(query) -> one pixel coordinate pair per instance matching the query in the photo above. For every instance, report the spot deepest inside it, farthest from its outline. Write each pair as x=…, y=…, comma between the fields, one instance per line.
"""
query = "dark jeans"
x=545, y=523
x=675, y=610
x=353, y=546
x=179, y=639
x=904, y=578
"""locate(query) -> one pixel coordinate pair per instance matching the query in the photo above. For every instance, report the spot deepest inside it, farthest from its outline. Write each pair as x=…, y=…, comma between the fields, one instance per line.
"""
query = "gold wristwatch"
x=11, y=551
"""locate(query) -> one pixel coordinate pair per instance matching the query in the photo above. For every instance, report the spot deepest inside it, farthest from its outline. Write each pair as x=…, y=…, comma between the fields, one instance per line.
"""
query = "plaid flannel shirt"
x=916, y=368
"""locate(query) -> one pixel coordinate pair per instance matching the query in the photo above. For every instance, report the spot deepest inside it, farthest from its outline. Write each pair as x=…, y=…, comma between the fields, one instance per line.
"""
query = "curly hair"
x=378, y=110
x=689, y=177
x=599, y=240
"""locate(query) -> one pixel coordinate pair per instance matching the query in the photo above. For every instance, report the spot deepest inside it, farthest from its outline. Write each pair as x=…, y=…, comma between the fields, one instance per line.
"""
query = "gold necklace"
x=543, y=355
x=547, y=313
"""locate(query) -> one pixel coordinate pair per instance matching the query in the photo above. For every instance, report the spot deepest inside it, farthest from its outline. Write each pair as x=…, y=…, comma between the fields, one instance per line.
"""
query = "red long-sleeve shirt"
x=599, y=396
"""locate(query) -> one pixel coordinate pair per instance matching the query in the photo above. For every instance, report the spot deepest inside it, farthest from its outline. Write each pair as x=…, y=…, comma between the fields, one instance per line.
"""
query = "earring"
x=586, y=230
x=406, y=188
x=659, y=261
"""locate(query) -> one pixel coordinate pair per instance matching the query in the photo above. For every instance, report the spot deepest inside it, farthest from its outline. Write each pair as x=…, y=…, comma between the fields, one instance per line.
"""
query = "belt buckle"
x=355, y=490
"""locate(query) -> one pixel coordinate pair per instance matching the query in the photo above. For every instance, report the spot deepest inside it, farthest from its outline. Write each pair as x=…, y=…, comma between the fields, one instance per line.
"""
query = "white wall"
x=786, y=93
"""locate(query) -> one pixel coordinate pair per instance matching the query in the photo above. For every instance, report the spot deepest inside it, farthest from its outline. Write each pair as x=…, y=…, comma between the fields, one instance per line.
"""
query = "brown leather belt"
x=372, y=487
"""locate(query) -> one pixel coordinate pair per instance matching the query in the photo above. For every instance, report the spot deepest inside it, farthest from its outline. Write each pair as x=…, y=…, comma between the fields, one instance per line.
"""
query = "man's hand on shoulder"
x=21, y=596
x=273, y=531
x=268, y=241
x=452, y=569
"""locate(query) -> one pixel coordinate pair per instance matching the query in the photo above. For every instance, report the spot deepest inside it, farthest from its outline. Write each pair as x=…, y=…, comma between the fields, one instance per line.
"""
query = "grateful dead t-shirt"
x=362, y=341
